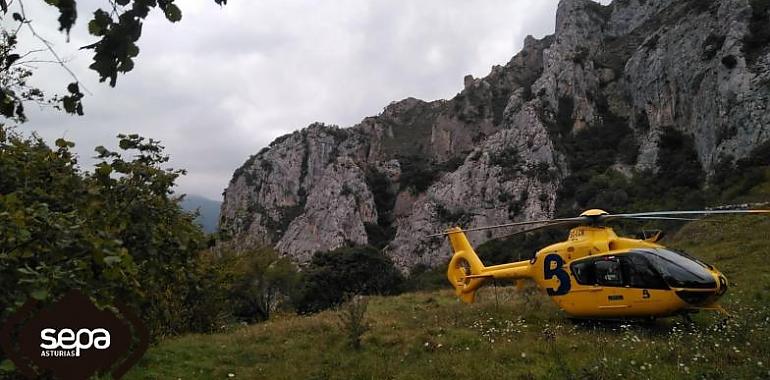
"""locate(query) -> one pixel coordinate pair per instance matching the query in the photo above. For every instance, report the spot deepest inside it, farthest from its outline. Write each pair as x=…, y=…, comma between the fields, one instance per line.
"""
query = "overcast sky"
x=224, y=82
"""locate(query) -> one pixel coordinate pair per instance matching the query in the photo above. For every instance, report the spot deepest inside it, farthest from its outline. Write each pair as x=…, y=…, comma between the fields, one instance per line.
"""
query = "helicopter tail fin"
x=466, y=271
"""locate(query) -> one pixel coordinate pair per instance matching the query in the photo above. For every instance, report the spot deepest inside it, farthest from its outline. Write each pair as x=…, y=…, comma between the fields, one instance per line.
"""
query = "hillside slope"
x=624, y=104
x=507, y=334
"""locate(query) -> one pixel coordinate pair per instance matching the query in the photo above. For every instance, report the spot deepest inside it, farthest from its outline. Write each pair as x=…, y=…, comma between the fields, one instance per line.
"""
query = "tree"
x=263, y=280
x=333, y=276
x=117, y=233
x=117, y=30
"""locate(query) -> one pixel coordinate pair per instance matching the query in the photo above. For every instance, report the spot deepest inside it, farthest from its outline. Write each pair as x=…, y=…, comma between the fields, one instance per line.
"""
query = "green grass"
x=507, y=334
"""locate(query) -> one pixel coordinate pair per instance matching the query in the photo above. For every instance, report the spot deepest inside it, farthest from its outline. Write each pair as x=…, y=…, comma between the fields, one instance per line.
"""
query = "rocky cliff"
x=617, y=90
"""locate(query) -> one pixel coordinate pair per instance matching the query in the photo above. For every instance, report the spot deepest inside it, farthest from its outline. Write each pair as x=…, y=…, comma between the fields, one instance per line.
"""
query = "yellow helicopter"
x=597, y=274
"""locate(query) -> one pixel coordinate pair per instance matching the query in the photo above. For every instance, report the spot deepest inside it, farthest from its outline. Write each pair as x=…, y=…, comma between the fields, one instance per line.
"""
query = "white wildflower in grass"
x=523, y=355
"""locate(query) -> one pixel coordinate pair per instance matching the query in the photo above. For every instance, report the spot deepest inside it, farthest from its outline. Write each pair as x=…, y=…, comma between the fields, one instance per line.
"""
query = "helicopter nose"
x=722, y=285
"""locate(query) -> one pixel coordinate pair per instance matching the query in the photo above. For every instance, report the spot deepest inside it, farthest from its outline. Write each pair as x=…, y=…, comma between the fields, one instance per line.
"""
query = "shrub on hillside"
x=262, y=281
x=352, y=320
x=332, y=275
x=422, y=277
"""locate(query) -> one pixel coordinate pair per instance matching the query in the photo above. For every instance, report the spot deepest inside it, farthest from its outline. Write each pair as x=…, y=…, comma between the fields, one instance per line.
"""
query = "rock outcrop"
x=495, y=153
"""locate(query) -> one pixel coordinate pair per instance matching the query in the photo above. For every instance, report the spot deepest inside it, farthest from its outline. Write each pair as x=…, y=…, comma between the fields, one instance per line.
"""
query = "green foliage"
x=352, y=320
x=417, y=174
x=116, y=233
x=14, y=82
x=452, y=216
x=677, y=184
x=422, y=277
x=678, y=161
x=261, y=282
x=379, y=236
x=384, y=194
x=733, y=181
x=541, y=171
x=331, y=276
x=508, y=160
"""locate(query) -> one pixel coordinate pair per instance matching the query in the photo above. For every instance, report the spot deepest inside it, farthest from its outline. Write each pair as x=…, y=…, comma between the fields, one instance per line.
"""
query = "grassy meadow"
x=507, y=334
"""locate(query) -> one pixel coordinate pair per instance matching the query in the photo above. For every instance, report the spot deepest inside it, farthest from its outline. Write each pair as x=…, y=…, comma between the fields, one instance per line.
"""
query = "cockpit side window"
x=604, y=271
x=584, y=272
x=639, y=272
x=608, y=271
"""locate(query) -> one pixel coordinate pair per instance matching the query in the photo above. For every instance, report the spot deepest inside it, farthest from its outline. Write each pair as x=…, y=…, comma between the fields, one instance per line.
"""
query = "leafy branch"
x=118, y=30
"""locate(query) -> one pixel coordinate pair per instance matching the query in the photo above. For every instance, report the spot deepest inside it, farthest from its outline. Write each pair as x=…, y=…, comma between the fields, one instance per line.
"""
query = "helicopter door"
x=625, y=284
x=645, y=287
x=640, y=273
x=605, y=292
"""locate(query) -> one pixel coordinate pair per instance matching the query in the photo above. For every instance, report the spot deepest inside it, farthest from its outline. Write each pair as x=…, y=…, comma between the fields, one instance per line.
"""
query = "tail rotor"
x=465, y=269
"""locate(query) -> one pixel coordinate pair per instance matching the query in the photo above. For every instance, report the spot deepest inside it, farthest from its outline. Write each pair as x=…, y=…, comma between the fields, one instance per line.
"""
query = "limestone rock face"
x=494, y=153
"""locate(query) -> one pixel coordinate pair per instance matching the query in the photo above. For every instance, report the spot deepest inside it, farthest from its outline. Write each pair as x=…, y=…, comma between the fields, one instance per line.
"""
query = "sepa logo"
x=72, y=339
x=70, y=343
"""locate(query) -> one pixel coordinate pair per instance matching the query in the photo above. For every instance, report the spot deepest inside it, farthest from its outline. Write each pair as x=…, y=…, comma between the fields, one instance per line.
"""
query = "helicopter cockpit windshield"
x=681, y=270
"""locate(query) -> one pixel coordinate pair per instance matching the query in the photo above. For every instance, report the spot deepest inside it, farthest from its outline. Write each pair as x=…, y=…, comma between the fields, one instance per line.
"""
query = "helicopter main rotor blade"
x=592, y=219
x=517, y=224
x=552, y=225
x=669, y=218
x=694, y=212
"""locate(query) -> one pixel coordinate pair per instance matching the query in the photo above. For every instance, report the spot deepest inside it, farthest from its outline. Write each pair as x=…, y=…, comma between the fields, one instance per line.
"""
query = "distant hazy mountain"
x=209, y=211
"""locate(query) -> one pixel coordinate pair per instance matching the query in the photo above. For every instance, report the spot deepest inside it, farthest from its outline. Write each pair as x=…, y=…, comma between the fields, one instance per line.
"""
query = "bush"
x=678, y=161
x=417, y=175
x=384, y=194
x=509, y=160
x=260, y=282
x=116, y=233
x=424, y=278
x=352, y=320
x=333, y=275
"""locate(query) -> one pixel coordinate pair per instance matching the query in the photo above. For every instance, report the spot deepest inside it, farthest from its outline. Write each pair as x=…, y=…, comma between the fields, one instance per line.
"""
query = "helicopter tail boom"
x=467, y=273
